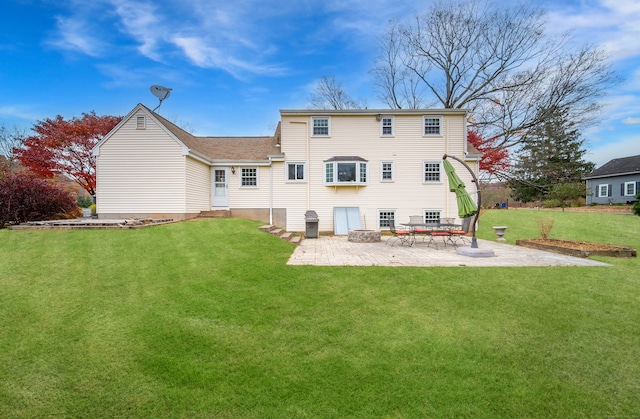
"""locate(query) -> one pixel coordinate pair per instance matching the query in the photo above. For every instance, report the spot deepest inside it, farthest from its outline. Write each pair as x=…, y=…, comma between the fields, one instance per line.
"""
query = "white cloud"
x=624, y=147
x=206, y=56
x=140, y=20
x=613, y=24
x=631, y=121
x=18, y=112
x=75, y=35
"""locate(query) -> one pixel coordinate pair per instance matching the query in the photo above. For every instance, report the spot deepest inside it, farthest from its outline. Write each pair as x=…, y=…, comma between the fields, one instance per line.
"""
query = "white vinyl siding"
x=198, y=186
x=141, y=171
x=360, y=136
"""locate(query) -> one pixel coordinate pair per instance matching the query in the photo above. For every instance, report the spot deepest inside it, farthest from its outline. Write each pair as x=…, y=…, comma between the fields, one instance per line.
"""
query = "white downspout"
x=270, y=191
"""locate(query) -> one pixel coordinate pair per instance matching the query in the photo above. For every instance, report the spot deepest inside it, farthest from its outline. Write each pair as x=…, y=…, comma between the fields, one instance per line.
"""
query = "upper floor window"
x=386, y=126
x=386, y=171
x=295, y=172
x=249, y=177
x=345, y=171
x=432, y=172
x=629, y=189
x=320, y=126
x=432, y=125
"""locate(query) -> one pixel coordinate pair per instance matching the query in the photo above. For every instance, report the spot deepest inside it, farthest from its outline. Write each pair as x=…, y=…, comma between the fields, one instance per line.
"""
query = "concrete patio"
x=338, y=251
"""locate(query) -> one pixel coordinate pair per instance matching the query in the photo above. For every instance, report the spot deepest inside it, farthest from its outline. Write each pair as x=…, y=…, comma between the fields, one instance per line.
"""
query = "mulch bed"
x=578, y=248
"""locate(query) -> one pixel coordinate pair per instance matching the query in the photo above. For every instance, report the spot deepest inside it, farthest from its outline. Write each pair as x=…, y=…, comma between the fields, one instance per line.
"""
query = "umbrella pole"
x=474, y=241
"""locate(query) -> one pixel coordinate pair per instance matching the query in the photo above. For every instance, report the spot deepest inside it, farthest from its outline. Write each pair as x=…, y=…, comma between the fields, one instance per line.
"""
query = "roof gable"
x=209, y=149
x=617, y=167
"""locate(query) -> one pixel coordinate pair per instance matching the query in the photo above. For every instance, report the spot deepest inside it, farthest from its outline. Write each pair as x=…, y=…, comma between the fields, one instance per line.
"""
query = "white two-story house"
x=357, y=169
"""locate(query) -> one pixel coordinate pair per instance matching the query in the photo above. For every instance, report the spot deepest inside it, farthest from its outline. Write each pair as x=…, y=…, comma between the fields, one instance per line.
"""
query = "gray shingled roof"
x=617, y=167
x=227, y=148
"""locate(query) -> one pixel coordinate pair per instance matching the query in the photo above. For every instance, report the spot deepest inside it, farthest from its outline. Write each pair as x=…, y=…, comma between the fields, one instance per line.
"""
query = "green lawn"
x=205, y=319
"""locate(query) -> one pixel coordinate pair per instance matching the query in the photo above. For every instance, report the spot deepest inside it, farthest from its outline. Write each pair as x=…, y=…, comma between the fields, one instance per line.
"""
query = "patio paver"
x=338, y=251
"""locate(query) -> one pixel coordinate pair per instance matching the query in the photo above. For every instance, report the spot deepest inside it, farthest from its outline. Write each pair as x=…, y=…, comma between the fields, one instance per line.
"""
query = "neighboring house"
x=617, y=181
x=356, y=168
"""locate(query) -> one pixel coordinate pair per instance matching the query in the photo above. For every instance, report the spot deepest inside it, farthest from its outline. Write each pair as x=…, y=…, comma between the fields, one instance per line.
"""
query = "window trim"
x=243, y=177
x=361, y=176
x=296, y=163
x=318, y=118
x=626, y=185
x=439, y=211
x=424, y=172
x=394, y=215
x=382, y=126
x=393, y=171
x=424, y=125
x=603, y=187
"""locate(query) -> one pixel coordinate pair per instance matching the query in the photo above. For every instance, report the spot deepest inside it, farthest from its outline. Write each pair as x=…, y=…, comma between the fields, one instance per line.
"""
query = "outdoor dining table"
x=444, y=230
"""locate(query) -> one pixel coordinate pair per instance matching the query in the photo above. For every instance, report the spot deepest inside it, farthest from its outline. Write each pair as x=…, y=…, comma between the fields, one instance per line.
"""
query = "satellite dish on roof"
x=161, y=93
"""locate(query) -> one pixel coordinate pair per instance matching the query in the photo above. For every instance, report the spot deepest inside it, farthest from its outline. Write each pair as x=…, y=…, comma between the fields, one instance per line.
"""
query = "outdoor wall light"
x=233, y=170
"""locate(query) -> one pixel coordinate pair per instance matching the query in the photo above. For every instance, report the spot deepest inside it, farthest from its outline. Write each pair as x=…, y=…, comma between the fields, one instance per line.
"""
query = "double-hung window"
x=386, y=171
x=249, y=177
x=345, y=171
x=629, y=189
x=604, y=190
x=320, y=126
x=386, y=126
x=432, y=125
x=432, y=172
x=295, y=172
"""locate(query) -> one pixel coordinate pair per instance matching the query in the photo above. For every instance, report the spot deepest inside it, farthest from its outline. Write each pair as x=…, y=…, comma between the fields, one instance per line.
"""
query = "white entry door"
x=220, y=187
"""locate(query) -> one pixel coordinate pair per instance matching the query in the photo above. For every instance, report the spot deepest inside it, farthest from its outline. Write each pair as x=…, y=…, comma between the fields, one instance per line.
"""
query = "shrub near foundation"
x=25, y=197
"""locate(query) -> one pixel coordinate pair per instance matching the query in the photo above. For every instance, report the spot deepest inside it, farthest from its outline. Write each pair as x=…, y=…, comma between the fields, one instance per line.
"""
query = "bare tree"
x=398, y=86
x=10, y=138
x=329, y=94
x=497, y=62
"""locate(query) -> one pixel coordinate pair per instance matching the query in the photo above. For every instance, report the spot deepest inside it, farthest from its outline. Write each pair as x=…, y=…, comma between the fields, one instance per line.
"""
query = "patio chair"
x=445, y=234
x=403, y=236
x=460, y=235
x=419, y=228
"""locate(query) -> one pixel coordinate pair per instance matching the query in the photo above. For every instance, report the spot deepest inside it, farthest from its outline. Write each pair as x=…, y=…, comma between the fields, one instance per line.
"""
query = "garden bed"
x=578, y=248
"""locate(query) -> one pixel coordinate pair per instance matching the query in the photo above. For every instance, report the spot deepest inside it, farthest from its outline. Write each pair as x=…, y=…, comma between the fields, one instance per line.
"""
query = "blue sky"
x=233, y=64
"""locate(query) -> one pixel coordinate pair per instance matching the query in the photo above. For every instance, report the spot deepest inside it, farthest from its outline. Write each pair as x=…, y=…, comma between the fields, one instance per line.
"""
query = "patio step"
x=279, y=232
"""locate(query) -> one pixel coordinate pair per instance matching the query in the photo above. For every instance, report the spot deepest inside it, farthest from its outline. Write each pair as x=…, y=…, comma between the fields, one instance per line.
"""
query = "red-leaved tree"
x=494, y=159
x=63, y=147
